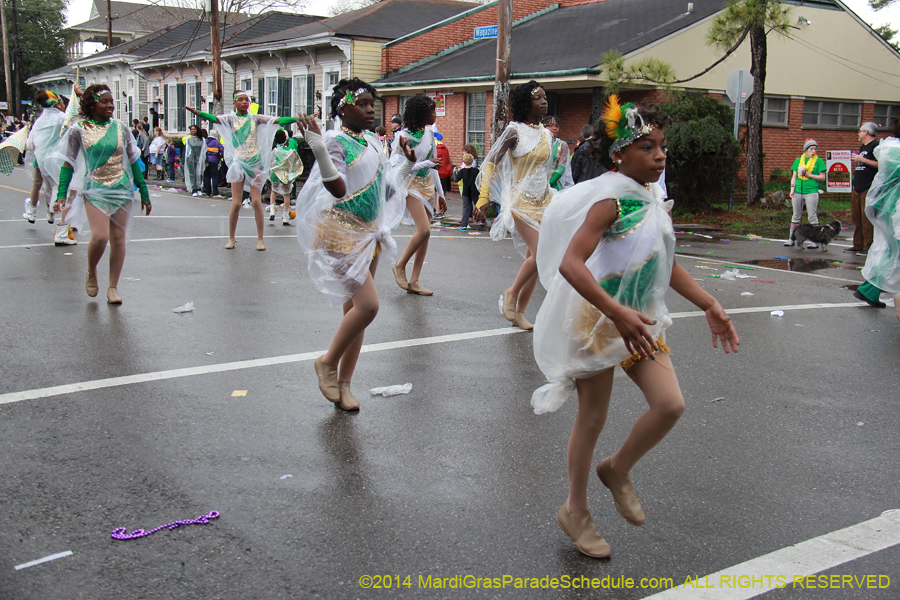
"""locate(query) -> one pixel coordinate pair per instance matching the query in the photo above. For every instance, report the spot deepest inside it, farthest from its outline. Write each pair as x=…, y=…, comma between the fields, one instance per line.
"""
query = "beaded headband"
x=535, y=91
x=624, y=123
x=237, y=94
x=351, y=96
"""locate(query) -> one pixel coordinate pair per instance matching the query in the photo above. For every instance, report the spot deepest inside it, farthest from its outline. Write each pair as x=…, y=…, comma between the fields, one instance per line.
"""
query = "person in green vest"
x=247, y=138
x=102, y=151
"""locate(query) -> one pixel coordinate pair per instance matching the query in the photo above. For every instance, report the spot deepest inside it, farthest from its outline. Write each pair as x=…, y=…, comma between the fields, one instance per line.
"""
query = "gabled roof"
x=133, y=17
x=571, y=38
x=388, y=19
x=176, y=33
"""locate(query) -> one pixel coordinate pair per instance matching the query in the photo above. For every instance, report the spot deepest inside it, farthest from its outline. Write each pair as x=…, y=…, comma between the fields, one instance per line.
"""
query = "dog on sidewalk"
x=819, y=234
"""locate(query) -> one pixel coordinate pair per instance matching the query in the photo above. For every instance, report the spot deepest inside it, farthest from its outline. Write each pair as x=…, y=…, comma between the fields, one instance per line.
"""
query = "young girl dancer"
x=345, y=213
x=424, y=191
x=248, y=152
x=519, y=173
x=558, y=179
x=104, y=152
x=44, y=142
x=606, y=257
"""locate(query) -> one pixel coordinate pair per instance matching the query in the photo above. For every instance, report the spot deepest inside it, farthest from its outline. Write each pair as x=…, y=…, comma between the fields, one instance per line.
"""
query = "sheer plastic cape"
x=194, y=164
x=423, y=182
x=633, y=263
x=340, y=236
x=102, y=158
x=520, y=184
x=44, y=141
x=882, y=202
x=249, y=157
x=286, y=168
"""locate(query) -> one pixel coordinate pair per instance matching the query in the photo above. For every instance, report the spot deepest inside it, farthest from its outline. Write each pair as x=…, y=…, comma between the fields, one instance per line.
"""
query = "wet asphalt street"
x=457, y=478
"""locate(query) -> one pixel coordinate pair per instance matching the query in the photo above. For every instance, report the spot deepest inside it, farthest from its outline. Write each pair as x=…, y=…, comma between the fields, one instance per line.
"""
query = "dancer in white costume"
x=520, y=174
x=345, y=213
x=424, y=192
x=101, y=152
x=44, y=143
x=248, y=152
x=606, y=257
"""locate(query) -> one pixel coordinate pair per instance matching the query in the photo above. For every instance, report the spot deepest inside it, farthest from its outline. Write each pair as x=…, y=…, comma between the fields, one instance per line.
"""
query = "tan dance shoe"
x=581, y=529
x=400, y=277
x=348, y=400
x=416, y=288
x=90, y=286
x=622, y=492
x=328, y=382
x=113, y=297
x=522, y=323
x=509, y=305
x=260, y=245
x=229, y=245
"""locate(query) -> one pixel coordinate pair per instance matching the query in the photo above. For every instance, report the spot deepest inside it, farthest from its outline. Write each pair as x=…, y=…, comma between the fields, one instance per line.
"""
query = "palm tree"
x=758, y=18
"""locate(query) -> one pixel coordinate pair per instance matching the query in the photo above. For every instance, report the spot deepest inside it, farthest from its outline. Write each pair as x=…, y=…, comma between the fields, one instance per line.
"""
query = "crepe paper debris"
x=474, y=232
x=860, y=424
x=707, y=268
x=777, y=313
x=739, y=267
x=132, y=279
x=837, y=262
x=779, y=257
x=717, y=400
x=391, y=390
x=746, y=293
x=742, y=276
x=860, y=268
x=710, y=252
x=684, y=246
x=187, y=307
x=237, y=393
x=67, y=254
x=210, y=353
x=724, y=240
x=762, y=281
x=679, y=233
x=714, y=276
x=729, y=275
x=703, y=235
x=288, y=476
x=119, y=532
x=762, y=242
x=799, y=325
x=678, y=250
x=43, y=560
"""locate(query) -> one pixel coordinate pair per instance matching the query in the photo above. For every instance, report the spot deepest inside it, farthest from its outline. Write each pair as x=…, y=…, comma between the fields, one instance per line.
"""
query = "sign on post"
x=482, y=33
x=839, y=171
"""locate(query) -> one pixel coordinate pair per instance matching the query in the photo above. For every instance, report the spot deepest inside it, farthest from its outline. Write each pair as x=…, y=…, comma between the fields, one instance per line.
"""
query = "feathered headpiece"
x=52, y=99
x=351, y=96
x=623, y=123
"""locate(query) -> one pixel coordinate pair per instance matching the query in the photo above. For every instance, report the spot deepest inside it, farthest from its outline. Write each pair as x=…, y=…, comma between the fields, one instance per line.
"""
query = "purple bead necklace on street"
x=119, y=532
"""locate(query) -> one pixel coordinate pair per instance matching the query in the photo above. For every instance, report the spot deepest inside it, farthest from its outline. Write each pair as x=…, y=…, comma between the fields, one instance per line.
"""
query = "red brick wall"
x=399, y=55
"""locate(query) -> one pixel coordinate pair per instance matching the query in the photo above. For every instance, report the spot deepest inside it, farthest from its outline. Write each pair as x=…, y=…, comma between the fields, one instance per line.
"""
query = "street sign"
x=4, y=106
x=739, y=86
x=839, y=170
x=482, y=33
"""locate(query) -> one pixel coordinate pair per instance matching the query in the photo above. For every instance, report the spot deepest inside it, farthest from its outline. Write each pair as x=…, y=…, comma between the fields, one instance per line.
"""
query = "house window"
x=154, y=92
x=826, y=113
x=117, y=96
x=331, y=80
x=271, y=96
x=298, y=94
x=191, y=101
x=885, y=114
x=775, y=110
x=246, y=85
x=172, y=109
x=476, y=113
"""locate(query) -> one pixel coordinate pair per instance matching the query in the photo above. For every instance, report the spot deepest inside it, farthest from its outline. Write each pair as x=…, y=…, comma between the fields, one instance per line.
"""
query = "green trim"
x=526, y=76
x=434, y=26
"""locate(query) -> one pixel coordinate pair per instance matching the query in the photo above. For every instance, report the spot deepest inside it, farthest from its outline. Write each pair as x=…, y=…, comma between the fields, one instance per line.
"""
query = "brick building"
x=831, y=72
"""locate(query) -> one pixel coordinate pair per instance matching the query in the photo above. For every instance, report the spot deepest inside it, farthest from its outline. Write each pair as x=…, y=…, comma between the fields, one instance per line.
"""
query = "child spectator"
x=214, y=153
x=171, y=157
x=465, y=176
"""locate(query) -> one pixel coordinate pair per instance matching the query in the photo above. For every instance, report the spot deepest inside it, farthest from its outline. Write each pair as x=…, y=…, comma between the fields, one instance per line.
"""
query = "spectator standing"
x=143, y=143
x=445, y=172
x=146, y=126
x=863, y=173
x=808, y=170
x=157, y=151
x=214, y=153
x=194, y=162
x=583, y=166
x=465, y=176
x=171, y=157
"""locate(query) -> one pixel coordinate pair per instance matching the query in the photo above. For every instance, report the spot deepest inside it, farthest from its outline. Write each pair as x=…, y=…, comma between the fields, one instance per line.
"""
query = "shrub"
x=702, y=160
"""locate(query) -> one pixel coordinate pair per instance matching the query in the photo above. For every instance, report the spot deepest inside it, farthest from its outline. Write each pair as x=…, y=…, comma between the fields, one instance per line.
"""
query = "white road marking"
x=222, y=237
x=97, y=384
x=800, y=560
x=43, y=560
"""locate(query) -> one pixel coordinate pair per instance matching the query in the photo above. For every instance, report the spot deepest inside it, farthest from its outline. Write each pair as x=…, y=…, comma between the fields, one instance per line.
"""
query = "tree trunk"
x=755, y=114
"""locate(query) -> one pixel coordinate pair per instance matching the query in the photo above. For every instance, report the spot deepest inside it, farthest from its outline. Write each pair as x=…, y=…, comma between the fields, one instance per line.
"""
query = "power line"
x=835, y=58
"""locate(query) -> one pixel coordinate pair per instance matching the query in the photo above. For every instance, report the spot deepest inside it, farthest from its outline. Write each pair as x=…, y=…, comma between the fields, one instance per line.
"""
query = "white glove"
x=317, y=145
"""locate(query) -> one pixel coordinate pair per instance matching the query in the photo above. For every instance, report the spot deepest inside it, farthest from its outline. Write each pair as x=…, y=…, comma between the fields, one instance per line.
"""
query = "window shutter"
x=181, y=90
x=199, y=98
x=310, y=94
x=165, y=106
x=261, y=98
x=284, y=97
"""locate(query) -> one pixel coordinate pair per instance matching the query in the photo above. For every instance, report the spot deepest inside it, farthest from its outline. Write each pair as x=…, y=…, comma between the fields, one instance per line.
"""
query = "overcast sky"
x=79, y=10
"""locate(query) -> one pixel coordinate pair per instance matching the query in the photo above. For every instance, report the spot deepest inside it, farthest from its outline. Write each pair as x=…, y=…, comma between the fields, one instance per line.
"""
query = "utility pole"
x=109, y=23
x=216, y=54
x=15, y=106
x=9, y=98
x=501, y=77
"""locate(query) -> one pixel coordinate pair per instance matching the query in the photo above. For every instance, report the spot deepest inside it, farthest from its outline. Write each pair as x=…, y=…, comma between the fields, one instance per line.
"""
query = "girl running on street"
x=345, y=213
x=606, y=257
x=102, y=151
